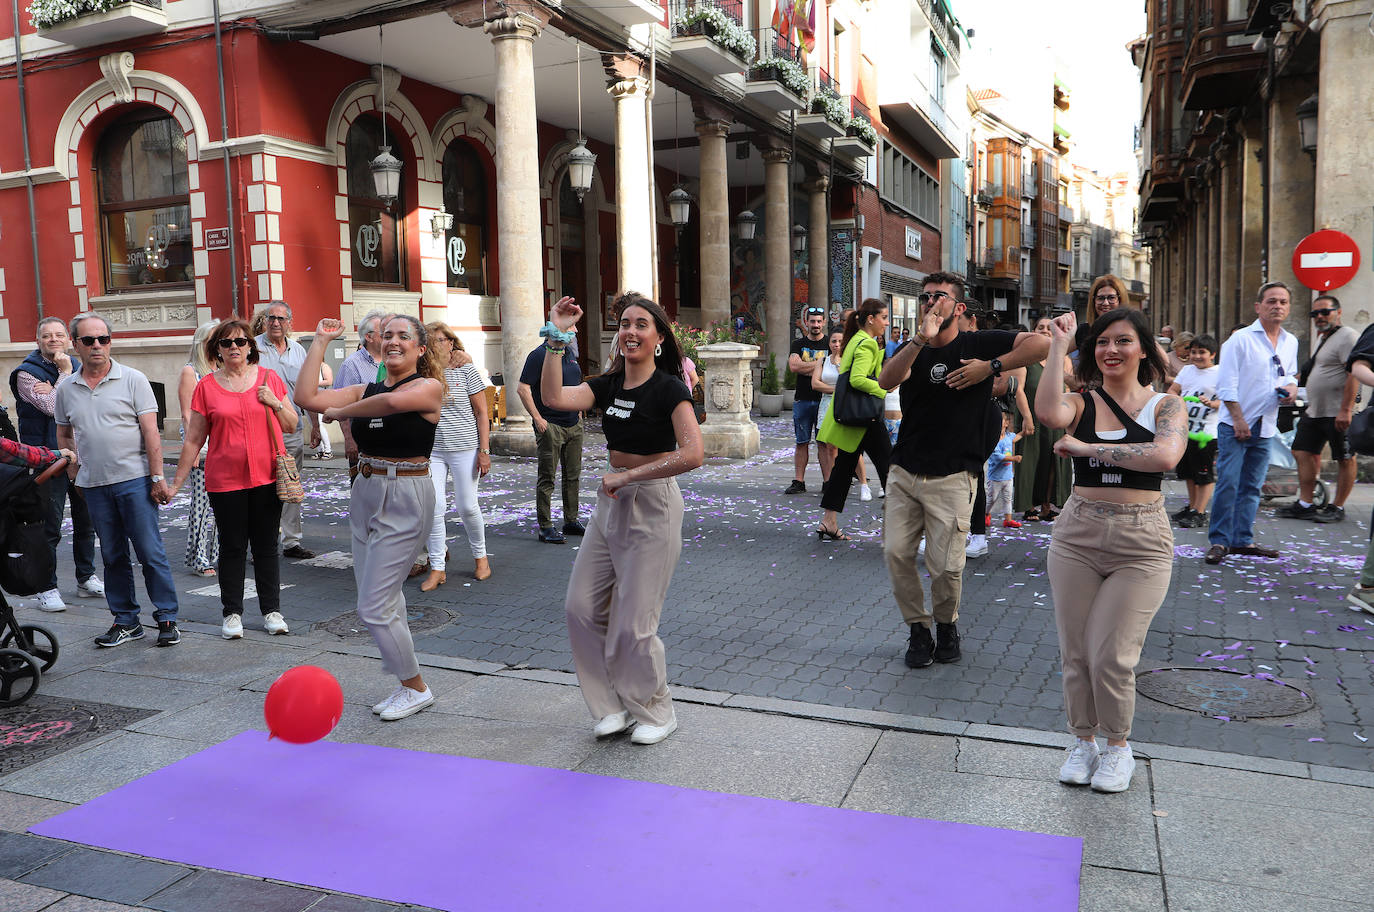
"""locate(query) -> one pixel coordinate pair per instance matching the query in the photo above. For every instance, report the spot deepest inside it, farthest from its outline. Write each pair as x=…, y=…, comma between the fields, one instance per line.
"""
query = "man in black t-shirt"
x=946, y=379
x=806, y=351
x=559, y=438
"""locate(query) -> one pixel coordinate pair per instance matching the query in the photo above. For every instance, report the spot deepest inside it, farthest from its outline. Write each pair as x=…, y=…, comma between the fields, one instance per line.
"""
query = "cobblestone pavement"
x=759, y=607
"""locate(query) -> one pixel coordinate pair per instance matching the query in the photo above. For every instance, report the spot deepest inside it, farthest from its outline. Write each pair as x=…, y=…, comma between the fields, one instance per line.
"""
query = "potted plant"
x=789, y=389
x=827, y=102
x=862, y=128
x=783, y=70
x=725, y=33
x=770, y=394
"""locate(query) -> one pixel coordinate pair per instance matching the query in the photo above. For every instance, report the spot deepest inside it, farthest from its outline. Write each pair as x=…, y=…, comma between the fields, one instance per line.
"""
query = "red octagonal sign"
x=1326, y=259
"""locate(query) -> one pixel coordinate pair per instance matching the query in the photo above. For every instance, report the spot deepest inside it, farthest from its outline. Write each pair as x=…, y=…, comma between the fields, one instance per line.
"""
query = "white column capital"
x=512, y=19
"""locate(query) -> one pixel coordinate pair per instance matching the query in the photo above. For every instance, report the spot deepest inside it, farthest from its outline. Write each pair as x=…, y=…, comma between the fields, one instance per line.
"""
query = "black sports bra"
x=1089, y=472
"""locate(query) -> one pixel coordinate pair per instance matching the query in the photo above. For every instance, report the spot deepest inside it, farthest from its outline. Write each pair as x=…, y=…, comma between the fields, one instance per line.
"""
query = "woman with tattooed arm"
x=1112, y=552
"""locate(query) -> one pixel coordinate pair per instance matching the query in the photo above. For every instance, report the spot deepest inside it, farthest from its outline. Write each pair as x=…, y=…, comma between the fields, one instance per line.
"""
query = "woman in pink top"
x=243, y=410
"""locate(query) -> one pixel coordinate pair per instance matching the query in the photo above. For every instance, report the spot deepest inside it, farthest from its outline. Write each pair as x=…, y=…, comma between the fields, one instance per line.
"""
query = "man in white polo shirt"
x=107, y=414
x=1259, y=366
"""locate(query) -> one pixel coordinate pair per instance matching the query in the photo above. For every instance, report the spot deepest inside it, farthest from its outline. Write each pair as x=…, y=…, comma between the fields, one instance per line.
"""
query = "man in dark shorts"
x=1330, y=404
x=805, y=352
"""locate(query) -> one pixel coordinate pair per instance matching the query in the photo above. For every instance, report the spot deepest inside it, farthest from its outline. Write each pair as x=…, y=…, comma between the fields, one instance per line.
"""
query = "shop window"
x=374, y=228
x=145, y=204
x=465, y=195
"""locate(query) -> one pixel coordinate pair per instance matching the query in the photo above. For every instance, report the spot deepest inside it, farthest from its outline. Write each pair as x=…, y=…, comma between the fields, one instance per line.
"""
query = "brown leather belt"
x=369, y=466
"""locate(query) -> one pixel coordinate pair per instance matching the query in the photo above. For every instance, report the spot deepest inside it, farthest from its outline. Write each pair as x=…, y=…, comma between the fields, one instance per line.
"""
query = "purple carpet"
x=488, y=835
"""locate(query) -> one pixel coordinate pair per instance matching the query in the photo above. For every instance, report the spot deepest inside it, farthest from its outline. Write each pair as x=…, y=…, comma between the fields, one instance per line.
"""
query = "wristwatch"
x=485, y=452
x=996, y=365
x=157, y=479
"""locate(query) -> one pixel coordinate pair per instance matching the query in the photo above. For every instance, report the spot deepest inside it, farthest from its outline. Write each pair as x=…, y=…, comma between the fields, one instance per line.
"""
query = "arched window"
x=145, y=204
x=465, y=196
x=374, y=228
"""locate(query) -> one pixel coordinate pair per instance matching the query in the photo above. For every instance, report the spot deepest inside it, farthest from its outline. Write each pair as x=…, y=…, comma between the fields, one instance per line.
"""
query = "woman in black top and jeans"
x=393, y=423
x=621, y=575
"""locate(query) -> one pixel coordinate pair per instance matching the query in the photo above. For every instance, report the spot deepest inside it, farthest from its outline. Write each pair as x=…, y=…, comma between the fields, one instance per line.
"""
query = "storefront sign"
x=369, y=239
x=913, y=243
x=216, y=238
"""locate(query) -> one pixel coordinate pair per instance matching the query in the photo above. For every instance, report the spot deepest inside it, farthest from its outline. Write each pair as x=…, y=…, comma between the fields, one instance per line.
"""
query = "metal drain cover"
x=1215, y=692
x=46, y=726
x=419, y=617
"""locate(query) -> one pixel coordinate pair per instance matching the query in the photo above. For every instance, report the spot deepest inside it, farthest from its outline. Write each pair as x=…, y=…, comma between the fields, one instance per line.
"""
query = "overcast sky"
x=1087, y=40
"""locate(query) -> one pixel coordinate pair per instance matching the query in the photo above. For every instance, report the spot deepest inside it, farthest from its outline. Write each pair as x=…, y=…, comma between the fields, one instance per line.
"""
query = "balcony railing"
x=942, y=119
x=947, y=36
x=1137, y=286
x=1063, y=301
x=773, y=43
x=677, y=9
x=859, y=109
x=822, y=81
x=1027, y=236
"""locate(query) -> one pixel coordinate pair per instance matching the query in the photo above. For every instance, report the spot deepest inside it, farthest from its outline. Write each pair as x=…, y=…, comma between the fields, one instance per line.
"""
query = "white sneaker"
x=273, y=623
x=882, y=492
x=51, y=601
x=1078, y=769
x=976, y=546
x=1115, y=766
x=378, y=708
x=406, y=703
x=613, y=724
x=865, y=493
x=91, y=588
x=921, y=548
x=652, y=734
x=232, y=628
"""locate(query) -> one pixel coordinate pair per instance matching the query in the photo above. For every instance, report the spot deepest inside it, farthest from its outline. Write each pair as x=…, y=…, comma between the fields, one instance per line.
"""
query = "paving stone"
x=138, y=690
x=21, y=853
x=753, y=731
x=22, y=897
x=363, y=680
x=335, y=902
x=86, y=904
x=1188, y=894
x=1110, y=890
x=1180, y=779
x=105, y=875
x=519, y=700
x=1364, y=778
x=85, y=772
x=213, y=660
x=19, y=812
x=210, y=891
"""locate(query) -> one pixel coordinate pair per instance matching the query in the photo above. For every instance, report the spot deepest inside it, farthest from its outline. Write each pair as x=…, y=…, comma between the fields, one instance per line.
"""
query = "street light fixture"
x=748, y=223
x=798, y=240
x=1307, y=124
x=581, y=164
x=440, y=222
x=386, y=168
x=679, y=206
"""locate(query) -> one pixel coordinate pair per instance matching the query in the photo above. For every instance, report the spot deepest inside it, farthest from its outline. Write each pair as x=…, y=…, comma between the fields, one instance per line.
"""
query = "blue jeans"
x=1241, y=467
x=122, y=513
x=805, y=413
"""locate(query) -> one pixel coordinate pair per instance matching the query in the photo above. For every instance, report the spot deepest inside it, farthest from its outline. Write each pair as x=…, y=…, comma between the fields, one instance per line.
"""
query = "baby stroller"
x=26, y=563
x=1282, y=478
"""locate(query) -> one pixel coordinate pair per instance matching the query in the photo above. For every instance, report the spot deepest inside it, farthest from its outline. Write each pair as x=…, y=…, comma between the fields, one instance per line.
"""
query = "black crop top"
x=1089, y=472
x=639, y=420
x=399, y=435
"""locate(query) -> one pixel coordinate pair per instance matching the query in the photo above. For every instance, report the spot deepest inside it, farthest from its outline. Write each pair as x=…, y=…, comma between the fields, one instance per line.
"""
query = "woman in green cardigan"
x=863, y=358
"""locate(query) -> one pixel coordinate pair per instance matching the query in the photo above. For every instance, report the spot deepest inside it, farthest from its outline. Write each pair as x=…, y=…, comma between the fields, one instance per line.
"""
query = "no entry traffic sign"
x=1325, y=260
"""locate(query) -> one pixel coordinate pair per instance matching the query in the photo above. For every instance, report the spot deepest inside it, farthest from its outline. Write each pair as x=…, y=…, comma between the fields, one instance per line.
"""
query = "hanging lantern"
x=798, y=239
x=1307, y=124
x=679, y=206
x=748, y=223
x=581, y=161
x=386, y=173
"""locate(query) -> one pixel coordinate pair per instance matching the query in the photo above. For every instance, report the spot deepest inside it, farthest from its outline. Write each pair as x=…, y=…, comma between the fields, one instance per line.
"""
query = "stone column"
x=1345, y=124
x=1291, y=200
x=713, y=125
x=1198, y=305
x=818, y=243
x=1251, y=227
x=777, y=254
x=1228, y=233
x=1215, y=214
x=729, y=392
x=628, y=84
x=513, y=27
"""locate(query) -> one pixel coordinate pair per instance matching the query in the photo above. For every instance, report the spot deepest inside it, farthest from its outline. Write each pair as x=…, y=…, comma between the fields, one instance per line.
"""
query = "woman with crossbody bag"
x=243, y=410
x=854, y=424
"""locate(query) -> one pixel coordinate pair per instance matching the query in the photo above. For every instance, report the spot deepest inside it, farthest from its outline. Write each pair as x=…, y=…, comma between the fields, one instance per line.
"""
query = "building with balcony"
x=1102, y=237
x=1253, y=134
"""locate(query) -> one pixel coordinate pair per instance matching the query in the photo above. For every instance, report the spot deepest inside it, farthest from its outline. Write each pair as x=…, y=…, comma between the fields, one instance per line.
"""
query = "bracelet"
x=553, y=332
x=557, y=351
x=920, y=337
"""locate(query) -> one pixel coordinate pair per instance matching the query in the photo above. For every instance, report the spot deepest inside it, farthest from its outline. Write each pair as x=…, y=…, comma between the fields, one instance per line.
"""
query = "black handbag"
x=1360, y=434
x=853, y=407
x=26, y=561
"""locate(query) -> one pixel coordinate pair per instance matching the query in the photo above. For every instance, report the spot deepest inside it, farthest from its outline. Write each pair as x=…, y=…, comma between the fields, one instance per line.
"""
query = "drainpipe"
x=28, y=163
x=228, y=181
x=649, y=146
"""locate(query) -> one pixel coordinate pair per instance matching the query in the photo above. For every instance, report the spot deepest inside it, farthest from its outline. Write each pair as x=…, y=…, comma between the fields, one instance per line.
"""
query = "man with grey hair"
x=277, y=351
x=106, y=412
x=363, y=366
x=34, y=385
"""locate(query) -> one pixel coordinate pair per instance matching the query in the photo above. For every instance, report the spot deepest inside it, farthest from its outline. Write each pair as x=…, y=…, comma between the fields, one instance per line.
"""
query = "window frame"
x=396, y=210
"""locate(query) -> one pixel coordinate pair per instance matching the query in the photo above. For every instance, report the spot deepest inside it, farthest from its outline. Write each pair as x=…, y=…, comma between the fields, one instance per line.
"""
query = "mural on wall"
x=842, y=268
x=747, y=284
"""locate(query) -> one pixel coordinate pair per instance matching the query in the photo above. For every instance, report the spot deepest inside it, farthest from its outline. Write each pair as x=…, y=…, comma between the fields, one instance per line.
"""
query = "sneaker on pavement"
x=1330, y=514
x=117, y=634
x=1195, y=520
x=796, y=487
x=882, y=491
x=977, y=546
x=167, y=633
x=613, y=724
x=1081, y=763
x=551, y=536
x=274, y=623
x=865, y=493
x=1115, y=766
x=51, y=600
x=378, y=708
x=232, y=629
x=947, y=643
x=407, y=703
x=91, y=588
x=920, y=650
x=1011, y=524
x=573, y=527
x=1183, y=514
x=1361, y=599
x=652, y=734
x=296, y=552
x=1296, y=510
x=921, y=548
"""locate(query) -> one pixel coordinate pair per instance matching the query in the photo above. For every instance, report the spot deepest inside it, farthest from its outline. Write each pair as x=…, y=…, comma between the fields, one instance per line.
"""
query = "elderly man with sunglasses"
x=278, y=352
x=812, y=347
x=106, y=412
x=1258, y=374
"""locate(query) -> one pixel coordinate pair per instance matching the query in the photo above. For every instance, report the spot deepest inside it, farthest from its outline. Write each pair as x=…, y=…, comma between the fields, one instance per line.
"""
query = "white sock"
x=1304, y=504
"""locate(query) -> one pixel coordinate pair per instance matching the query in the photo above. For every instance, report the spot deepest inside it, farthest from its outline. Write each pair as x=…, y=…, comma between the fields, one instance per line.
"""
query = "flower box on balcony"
x=86, y=23
x=854, y=146
x=776, y=84
x=827, y=117
x=712, y=42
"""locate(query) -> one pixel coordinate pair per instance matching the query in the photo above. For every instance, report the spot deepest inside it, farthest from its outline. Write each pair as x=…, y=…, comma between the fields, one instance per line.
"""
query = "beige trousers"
x=1109, y=567
x=615, y=597
x=938, y=508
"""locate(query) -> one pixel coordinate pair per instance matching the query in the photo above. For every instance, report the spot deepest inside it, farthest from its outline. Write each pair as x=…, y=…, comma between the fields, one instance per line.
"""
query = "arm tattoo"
x=1167, y=426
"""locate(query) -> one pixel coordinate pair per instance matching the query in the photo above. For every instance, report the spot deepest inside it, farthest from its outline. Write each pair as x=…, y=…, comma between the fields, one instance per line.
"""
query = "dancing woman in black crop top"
x=1111, y=555
x=622, y=571
x=393, y=496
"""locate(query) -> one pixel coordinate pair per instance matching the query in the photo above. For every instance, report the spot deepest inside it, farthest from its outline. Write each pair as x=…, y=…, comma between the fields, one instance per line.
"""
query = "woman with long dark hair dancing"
x=620, y=578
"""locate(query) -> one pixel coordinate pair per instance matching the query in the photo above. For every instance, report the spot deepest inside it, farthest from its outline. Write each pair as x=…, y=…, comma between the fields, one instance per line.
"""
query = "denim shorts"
x=804, y=415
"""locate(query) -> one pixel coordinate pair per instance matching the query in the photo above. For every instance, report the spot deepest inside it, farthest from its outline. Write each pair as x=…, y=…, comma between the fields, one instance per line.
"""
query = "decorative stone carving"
x=388, y=81
x=117, y=68
x=728, y=430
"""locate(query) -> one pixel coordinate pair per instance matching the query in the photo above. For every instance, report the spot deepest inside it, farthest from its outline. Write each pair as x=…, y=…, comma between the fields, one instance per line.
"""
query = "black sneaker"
x=919, y=652
x=296, y=552
x=117, y=634
x=1196, y=521
x=167, y=633
x=1330, y=514
x=946, y=643
x=796, y=487
x=1296, y=510
x=1183, y=514
x=573, y=527
x=551, y=536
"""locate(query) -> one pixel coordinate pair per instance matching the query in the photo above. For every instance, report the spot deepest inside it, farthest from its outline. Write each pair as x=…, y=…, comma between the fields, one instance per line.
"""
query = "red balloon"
x=303, y=705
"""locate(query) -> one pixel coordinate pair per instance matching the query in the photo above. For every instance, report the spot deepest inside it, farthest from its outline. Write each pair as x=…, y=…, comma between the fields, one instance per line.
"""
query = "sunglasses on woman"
x=238, y=341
